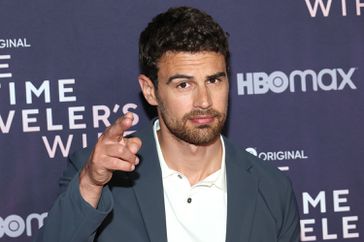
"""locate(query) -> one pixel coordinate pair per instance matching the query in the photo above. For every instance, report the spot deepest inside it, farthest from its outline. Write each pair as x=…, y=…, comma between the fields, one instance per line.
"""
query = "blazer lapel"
x=242, y=191
x=149, y=188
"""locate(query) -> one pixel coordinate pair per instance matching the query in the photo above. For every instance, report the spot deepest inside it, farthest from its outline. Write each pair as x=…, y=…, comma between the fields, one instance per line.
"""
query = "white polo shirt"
x=194, y=213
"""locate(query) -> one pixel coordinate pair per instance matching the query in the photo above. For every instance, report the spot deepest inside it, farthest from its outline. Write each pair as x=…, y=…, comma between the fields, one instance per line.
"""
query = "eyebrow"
x=216, y=76
x=178, y=76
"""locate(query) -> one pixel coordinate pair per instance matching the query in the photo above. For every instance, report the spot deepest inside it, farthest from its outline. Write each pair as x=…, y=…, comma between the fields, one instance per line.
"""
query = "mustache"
x=198, y=112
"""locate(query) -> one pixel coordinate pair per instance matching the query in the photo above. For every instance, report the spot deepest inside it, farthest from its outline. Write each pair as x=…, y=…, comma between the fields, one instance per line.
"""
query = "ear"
x=148, y=89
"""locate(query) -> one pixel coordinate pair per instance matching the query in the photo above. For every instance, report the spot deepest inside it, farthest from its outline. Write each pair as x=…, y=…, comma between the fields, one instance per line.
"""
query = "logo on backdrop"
x=332, y=212
x=336, y=79
x=14, y=43
x=33, y=119
x=323, y=212
x=317, y=8
x=15, y=226
x=281, y=155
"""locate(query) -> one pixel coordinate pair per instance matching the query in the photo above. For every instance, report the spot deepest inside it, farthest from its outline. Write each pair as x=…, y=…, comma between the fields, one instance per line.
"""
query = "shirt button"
x=189, y=200
x=179, y=176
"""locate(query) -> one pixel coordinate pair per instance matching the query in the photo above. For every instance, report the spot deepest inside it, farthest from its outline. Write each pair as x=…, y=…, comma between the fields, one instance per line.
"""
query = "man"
x=179, y=179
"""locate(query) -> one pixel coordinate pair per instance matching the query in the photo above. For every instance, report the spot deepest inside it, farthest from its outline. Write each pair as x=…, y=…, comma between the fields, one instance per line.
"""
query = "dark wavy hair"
x=181, y=29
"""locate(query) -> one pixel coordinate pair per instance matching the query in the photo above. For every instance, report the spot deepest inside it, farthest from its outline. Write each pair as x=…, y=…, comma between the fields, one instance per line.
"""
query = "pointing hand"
x=112, y=152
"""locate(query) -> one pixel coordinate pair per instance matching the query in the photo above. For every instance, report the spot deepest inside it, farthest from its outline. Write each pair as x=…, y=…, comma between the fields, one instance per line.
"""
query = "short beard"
x=201, y=135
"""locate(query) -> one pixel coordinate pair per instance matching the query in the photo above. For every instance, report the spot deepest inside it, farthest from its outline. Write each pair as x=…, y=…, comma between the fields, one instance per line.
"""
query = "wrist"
x=90, y=192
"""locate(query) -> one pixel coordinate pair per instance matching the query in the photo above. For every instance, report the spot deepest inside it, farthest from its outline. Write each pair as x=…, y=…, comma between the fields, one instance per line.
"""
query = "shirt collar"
x=217, y=178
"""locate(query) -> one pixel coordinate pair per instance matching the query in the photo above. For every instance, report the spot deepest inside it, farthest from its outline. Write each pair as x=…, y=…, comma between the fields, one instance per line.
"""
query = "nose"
x=202, y=98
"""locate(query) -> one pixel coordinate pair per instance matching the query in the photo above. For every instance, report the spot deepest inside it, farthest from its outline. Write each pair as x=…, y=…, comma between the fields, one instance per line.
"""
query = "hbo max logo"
x=14, y=226
x=297, y=80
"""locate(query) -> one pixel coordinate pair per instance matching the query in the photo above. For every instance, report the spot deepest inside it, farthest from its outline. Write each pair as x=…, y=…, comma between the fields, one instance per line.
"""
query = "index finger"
x=116, y=130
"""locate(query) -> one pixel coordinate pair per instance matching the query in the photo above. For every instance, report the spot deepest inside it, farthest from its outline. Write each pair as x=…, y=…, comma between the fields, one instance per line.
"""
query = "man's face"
x=192, y=95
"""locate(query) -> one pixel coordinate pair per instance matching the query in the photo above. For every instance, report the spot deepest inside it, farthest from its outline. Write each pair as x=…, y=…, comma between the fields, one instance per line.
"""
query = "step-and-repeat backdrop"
x=69, y=68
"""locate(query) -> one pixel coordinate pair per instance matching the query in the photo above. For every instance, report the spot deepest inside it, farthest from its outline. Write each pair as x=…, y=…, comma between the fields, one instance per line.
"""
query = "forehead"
x=187, y=62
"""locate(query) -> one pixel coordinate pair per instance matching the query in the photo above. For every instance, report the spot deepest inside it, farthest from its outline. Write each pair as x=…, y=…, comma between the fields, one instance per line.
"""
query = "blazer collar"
x=242, y=190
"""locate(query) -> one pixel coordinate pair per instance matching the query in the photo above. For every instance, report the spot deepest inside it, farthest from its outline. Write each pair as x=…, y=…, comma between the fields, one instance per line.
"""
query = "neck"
x=196, y=162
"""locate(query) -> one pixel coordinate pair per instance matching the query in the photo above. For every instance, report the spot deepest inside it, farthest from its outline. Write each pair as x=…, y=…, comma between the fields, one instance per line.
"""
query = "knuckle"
x=125, y=166
x=115, y=163
x=121, y=149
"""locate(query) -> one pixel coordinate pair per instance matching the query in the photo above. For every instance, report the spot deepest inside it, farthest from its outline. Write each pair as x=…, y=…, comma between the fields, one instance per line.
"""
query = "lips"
x=202, y=119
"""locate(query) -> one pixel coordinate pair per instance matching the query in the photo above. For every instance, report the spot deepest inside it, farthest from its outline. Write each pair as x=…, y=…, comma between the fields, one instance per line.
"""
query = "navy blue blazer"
x=260, y=201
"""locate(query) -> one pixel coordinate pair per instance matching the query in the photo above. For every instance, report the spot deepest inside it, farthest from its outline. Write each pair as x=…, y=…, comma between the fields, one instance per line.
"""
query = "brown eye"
x=213, y=80
x=182, y=85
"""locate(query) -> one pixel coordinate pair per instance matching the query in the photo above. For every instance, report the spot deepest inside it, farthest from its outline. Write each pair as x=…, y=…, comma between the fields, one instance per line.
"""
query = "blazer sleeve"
x=71, y=218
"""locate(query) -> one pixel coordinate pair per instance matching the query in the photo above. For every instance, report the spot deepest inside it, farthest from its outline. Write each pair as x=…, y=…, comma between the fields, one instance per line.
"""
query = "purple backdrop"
x=69, y=68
